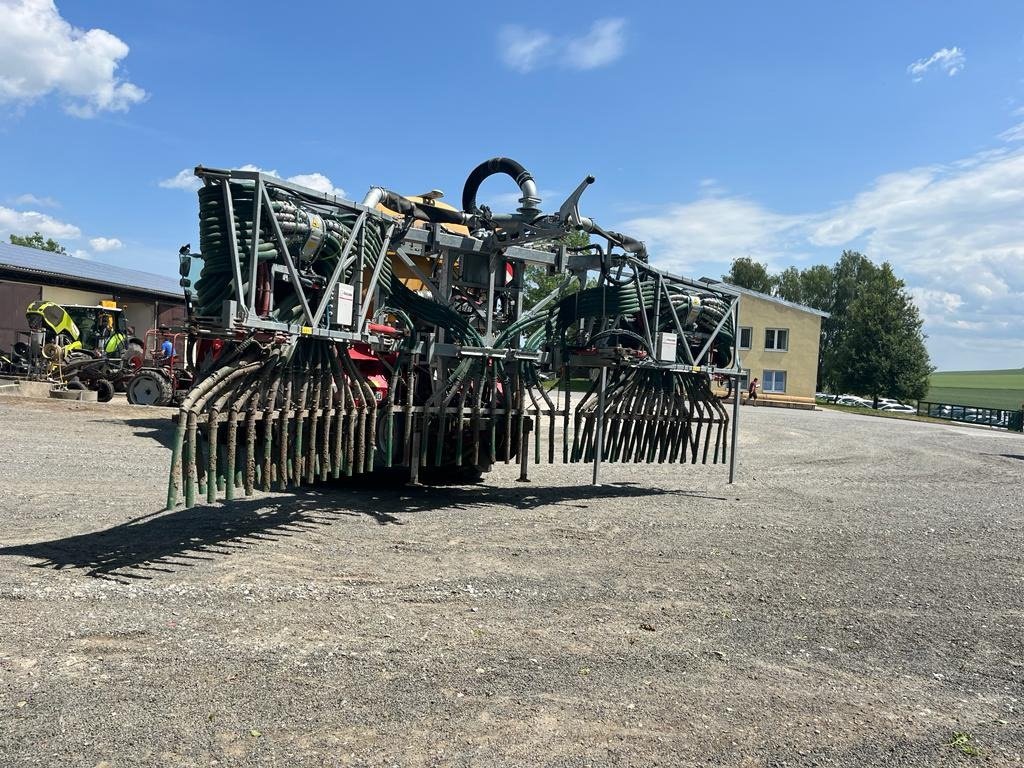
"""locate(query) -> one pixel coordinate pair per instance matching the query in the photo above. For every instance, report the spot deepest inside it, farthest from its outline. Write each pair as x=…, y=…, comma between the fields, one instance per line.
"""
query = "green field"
x=985, y=389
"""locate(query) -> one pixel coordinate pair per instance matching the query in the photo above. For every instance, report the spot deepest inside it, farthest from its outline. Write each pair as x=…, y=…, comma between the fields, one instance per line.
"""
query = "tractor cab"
x=103, y=328
x=97, y=329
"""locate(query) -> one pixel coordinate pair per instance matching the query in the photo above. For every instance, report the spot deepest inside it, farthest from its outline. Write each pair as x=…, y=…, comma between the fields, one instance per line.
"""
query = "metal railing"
x=971, y=414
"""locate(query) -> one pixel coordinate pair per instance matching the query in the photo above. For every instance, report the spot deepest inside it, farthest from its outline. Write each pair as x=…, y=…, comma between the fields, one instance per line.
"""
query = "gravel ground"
x=855, y=599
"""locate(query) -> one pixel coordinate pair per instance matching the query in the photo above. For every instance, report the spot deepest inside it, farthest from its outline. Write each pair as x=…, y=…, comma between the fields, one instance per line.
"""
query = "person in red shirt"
x=752, y=392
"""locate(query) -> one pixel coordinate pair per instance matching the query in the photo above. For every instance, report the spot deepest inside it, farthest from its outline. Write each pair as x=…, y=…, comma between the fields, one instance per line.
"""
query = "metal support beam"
x=434, y=290
x=254, y=248
x=714, y=334
x=339, y=267
x=381, y=258
x=734, y=439
x=524, y=452
x=293, y=273
x=236, y=261
x=599, y=427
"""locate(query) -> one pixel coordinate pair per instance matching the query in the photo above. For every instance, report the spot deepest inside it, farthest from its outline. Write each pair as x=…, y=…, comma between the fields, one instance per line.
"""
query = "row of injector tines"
x=274, y=418
x=265, y=419
x=651, y=416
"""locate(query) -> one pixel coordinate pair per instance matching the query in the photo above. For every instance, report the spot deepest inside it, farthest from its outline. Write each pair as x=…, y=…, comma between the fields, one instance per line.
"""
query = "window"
x=776, y=340
x=773, y=381
x=745, y=334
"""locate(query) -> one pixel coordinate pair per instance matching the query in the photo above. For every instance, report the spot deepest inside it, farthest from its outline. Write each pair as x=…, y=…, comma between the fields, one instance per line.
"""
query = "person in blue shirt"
x=167, y=349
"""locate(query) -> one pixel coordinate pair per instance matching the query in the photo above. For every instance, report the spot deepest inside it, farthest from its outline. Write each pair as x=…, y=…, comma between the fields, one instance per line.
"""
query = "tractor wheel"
x=150, y=387
x=104, y=390
x=133, y=355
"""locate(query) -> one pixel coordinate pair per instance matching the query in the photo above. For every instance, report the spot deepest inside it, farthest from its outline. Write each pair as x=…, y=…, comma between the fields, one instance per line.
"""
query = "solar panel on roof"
x=35, y=261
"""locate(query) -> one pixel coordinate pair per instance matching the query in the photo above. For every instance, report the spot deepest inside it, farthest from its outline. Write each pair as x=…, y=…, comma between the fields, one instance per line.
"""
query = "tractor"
x=85, y=346
x=165, y=374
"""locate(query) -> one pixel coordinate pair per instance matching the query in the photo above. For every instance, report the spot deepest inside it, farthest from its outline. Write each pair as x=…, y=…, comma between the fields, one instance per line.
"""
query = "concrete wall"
x=800, y=361
x=141, y=315
x=73, y=296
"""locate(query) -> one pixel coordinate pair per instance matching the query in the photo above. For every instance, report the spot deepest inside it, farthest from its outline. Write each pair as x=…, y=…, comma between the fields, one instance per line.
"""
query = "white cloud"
x=1016, y=133
x=183, y=179
x=953, y=232
x=27, y=222
x=186, y=179
x=103, y=244
x=40, y=53
x=524, y=50
x=30, y=199
x=949, y=60
x=319, y=182
x=80, y=254
x=687, y=237
x=603, y=44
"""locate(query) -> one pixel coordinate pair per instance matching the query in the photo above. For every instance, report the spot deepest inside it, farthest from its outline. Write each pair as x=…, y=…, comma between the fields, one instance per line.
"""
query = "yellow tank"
x=426, y=264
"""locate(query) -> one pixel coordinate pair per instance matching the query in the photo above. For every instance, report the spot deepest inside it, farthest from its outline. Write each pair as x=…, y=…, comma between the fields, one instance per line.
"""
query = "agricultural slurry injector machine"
x=338, y=338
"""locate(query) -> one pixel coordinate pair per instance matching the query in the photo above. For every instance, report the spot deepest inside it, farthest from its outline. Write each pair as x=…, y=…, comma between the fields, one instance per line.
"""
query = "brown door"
x=14, y=300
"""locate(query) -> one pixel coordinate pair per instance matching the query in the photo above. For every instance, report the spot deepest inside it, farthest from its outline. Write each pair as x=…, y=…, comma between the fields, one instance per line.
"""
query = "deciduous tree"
x=879, y=349
x=36, y=241
x=750, y=274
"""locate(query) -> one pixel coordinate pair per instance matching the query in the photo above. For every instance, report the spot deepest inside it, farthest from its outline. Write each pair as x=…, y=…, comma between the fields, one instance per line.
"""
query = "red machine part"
x=370, y=365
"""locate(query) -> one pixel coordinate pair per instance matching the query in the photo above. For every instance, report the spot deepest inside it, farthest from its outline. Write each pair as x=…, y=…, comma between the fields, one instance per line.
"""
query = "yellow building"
x=778, y=343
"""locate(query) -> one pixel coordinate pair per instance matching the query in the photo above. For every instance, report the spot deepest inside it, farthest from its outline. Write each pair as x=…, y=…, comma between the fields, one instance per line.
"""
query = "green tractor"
x=91, y=347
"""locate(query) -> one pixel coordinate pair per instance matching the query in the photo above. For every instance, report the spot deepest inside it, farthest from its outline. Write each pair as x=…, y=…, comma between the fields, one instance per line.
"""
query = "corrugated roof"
x=32, y=261
x=777, y=300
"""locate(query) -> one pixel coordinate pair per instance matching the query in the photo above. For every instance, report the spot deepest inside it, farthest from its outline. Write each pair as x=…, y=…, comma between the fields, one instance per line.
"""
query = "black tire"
x=104, y=390
x=150, y=387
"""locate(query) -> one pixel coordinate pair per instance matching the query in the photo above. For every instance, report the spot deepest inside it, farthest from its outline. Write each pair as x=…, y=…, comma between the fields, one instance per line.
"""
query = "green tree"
x=789, y=285
x=850, y=275
x=36, y=241
x=750, y=274
x=816, y=287
x=879, y=349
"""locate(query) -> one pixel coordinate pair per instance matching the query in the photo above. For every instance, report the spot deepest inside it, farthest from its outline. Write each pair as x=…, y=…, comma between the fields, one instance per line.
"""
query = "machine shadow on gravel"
x=159, y=428
x=162, y=542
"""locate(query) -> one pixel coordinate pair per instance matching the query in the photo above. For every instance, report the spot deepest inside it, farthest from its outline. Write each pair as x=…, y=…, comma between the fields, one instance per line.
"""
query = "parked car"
x=852, y=401
x=888, y=401
x=897, y=408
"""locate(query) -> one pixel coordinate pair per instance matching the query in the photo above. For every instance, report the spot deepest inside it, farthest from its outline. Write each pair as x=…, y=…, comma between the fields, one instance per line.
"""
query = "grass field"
x=986, y=389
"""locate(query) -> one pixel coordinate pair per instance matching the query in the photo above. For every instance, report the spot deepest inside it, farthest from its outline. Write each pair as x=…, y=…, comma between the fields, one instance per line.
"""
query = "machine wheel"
x=133, y=355
x=104, y=390
x=150, y=388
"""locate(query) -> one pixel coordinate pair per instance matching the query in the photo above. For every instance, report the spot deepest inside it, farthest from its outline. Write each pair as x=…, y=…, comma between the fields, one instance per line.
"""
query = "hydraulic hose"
x=492, y=167
x=396, y=202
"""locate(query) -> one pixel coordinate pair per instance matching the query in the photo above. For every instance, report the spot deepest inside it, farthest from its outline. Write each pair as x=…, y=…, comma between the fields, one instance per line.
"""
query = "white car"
x=853, y=401
x=897, y=408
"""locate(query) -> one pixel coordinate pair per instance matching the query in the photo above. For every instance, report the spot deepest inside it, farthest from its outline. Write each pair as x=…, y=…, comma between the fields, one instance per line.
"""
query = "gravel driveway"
x=855, y=599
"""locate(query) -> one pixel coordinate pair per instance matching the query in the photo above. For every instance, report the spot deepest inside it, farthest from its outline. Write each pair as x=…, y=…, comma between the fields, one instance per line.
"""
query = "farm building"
x=778, y=344
x=29, y=274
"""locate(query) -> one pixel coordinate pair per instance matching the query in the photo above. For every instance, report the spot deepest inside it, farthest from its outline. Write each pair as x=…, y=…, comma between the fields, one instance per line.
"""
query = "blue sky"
x=785, y=132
